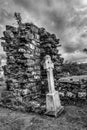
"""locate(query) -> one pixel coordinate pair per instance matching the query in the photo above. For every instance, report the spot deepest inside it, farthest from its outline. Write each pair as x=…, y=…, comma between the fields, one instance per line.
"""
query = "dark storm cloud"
x=85, y=50
x=27, y=4
x=54, y=15
x=65, y=18
x=57, y=19
x=5, y=15
x=47, y=10
x=69, y=49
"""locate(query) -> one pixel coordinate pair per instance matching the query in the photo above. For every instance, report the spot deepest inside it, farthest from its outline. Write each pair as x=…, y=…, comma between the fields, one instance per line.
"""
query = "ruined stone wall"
x=26, y=80
x=49, y=46
x=22, y=70
x=25, y=47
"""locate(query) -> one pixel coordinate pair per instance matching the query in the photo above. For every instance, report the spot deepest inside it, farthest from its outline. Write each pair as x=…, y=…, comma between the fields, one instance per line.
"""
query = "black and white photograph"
x=43, y=64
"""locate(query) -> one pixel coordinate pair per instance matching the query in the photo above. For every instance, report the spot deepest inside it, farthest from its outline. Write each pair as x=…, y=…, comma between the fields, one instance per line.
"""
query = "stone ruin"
x=26, y=79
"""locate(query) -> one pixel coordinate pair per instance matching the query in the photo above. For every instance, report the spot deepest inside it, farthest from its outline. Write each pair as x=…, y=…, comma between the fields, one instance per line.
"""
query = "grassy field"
x=74, y=118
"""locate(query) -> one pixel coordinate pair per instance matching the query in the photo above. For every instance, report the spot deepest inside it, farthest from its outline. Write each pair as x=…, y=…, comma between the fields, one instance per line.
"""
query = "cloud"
x=5, y=15
x=77, y=56
x=52, y=13
x=66, y=18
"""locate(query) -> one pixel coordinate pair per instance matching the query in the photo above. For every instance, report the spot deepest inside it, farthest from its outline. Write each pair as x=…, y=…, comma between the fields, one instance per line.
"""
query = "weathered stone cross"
x=53, y=104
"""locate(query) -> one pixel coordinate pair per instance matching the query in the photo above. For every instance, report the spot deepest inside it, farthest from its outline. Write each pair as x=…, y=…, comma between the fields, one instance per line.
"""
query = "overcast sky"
x=66, y=18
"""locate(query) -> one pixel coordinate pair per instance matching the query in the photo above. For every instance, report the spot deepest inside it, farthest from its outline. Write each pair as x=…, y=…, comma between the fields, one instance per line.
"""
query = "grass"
x=74, y=118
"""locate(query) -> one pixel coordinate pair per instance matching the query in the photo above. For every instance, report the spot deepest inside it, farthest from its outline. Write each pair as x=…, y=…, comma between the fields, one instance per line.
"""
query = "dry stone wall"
x=26, y=46
x=22, y=47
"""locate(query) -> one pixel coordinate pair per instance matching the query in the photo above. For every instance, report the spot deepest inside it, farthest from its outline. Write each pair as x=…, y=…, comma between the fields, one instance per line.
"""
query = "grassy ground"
x=74, y=118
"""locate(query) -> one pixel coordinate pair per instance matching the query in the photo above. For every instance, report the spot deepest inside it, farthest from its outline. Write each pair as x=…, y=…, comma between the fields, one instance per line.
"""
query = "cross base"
x=55, y=113
x=53, y=104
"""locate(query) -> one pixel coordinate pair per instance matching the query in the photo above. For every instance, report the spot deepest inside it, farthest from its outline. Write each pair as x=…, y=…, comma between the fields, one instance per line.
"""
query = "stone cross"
x=53, y=104
x=49, y=66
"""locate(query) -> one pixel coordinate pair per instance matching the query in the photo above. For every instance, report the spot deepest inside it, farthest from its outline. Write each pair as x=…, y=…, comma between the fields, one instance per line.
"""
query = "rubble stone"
x=26, y=46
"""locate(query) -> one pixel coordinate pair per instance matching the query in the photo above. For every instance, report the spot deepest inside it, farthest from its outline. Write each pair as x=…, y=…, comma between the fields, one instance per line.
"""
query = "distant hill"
x=74, y=68
x=83, y=68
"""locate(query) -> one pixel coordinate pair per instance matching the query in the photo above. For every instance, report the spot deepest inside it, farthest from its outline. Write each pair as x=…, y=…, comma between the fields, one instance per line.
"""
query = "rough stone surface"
x=26, y=46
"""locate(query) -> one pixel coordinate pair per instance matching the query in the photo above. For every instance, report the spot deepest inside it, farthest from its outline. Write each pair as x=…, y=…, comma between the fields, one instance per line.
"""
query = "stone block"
x=53, y=104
